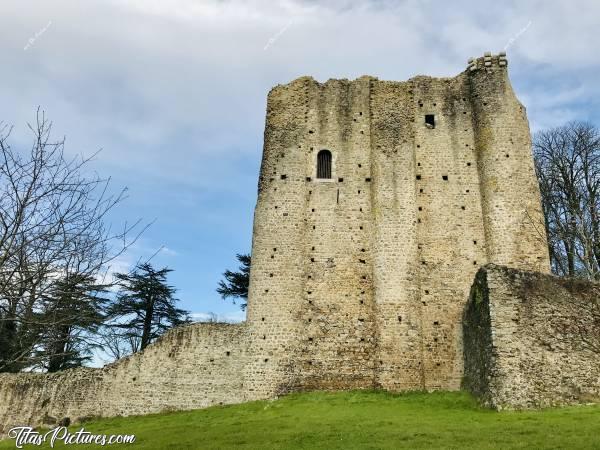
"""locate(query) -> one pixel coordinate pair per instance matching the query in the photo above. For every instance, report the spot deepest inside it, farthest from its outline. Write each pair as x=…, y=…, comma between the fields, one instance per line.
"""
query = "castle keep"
x=360, y=274
x=378, y=203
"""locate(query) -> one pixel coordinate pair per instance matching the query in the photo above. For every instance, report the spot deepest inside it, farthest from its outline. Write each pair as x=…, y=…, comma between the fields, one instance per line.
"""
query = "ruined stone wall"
x=189, y=367
x=357, y=281
x=531, y=340
x=361, y=280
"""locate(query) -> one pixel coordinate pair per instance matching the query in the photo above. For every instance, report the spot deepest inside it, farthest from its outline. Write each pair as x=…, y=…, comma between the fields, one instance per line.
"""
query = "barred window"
x=324, y=164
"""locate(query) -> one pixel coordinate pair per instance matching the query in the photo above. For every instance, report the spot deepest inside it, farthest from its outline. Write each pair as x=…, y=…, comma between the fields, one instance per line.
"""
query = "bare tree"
x=52, y=230
x=567, y=162
x=117, y=343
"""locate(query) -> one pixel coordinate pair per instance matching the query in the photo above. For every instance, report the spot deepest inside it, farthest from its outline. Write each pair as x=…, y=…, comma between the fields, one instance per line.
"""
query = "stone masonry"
x=531, y=340
x=189, y=367
x=359, y=278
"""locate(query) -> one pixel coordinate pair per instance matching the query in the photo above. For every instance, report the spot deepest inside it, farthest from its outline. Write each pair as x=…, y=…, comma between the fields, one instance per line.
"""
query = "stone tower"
x=377, y=203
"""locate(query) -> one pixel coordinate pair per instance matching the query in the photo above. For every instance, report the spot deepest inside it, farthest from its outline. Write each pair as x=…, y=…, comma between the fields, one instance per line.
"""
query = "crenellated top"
x=487, y=61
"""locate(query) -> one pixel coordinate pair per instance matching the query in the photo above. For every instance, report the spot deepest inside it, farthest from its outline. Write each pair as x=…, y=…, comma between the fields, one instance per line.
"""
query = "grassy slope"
x=366, y=420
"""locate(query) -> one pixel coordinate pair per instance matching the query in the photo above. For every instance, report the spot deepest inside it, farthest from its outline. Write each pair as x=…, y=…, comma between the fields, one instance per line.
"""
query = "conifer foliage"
x=144, y=307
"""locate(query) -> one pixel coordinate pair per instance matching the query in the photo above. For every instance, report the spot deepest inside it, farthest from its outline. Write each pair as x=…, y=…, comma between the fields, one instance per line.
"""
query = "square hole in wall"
x=445, y=177
x=340, y=180
x=430, y=120
x=283, y=177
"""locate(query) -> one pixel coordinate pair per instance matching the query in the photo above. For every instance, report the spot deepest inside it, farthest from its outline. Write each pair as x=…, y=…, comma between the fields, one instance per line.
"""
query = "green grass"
x=359, y=419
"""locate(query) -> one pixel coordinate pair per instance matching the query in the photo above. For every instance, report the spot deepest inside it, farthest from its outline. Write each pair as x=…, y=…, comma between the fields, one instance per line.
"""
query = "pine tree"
x=236, y=284
x=74, y=307
x=144, y=307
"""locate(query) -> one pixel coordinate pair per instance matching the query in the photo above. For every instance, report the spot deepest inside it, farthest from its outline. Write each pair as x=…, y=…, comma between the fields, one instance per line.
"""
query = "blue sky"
x=174, y=93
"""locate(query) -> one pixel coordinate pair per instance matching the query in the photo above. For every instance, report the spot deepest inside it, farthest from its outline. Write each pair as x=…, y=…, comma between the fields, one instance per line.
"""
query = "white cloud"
x=178, y=87
x=168, y=251
x=230, y=317
x=174, y=91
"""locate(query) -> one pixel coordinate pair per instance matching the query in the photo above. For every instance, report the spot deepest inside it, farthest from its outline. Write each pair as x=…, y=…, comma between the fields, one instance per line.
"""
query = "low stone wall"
x=531, y=340
x=189, y=367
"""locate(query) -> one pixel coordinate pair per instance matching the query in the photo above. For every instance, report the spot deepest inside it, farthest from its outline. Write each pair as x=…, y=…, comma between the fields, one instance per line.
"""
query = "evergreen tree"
x=74, y=307
x=236, y=284
x=144, y=307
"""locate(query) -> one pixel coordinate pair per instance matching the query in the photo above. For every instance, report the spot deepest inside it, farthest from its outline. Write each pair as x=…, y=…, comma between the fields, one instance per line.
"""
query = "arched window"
x=324, y=164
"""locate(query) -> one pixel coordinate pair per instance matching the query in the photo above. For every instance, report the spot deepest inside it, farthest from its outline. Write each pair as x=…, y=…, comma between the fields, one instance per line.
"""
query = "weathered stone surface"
x=361, y=280
x=357, y=281
x=189, y=367
x=531, y=340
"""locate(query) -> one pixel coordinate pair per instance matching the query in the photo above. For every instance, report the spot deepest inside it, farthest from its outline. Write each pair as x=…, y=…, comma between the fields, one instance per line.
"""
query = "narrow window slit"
x=324, y=164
